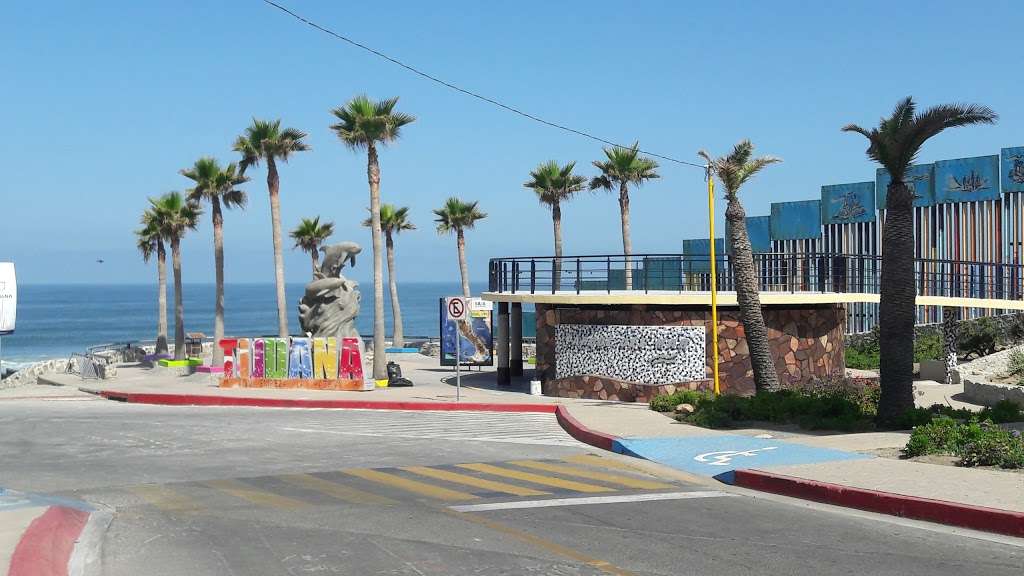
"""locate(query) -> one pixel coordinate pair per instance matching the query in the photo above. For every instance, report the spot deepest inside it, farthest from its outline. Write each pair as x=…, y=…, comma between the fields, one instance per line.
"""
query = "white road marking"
x=724, y=457
x=591, y=500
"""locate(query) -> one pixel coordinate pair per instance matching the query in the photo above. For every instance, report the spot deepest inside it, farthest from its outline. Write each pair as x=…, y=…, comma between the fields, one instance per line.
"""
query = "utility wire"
x=469, y=92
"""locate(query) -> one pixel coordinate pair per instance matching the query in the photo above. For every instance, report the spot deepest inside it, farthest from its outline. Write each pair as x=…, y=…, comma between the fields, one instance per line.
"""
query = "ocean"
x=56, y=320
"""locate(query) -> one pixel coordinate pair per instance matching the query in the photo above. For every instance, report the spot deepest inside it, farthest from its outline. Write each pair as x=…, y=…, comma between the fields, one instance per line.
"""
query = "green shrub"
x=858, y=359
x=863, y=355
x=668, y=402
x=974, y=443
x=928, y=346
x=834, y=404
x=979, y=337
x=1002, y=411
x=1015, y=366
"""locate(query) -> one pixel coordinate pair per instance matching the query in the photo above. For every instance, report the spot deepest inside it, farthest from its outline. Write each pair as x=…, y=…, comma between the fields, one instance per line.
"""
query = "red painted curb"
x=581, y=432
x=45, y=547
x=940, y=511
x=202, y=400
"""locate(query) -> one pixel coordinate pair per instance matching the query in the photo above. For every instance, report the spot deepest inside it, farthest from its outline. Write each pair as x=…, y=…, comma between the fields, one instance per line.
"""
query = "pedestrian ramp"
x=473, y=483
x=720, y=456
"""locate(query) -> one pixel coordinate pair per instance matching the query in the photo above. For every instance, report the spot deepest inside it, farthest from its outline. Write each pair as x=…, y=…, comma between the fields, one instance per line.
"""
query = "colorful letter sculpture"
x=351, y=365
x=242, y=358
x=314, y=363
x=300, y=359
x=228, y=345
x=258, y=349
x=325, y=358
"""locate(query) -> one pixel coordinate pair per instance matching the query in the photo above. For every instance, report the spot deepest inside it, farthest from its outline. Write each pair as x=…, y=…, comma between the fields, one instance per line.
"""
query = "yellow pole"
x=714, y=281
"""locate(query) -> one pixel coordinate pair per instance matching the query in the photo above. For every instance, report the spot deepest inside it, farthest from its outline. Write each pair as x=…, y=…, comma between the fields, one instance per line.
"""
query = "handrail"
x=775, y=271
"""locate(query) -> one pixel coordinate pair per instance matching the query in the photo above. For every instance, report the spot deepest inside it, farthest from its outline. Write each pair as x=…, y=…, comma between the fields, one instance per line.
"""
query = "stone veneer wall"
x=806, y=341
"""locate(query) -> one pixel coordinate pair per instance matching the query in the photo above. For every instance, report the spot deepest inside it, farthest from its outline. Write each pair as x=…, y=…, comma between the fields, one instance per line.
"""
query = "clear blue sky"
x=105, y=101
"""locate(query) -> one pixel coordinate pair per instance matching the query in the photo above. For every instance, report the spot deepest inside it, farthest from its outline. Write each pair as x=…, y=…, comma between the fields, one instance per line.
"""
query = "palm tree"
x=555, y=184
x=734, y=170
x=459, y=216
x=895, y=144
x=309, y=235
x=150, y=242
x=362, y=124
x=622, y=167
x=216, y=185
x=266, y=140
x=173, y=216
x=392, y=221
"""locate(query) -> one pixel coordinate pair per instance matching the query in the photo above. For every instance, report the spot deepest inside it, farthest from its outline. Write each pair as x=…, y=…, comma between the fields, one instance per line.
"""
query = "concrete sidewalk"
x=837, y=468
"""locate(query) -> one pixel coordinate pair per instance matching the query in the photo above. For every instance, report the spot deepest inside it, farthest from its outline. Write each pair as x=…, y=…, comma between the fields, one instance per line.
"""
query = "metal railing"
x=775, y=272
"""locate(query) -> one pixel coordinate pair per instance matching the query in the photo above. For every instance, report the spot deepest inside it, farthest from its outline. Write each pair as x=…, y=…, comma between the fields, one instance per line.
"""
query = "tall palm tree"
x=266, y=140
x=173, y=216
x=362, y=124
x=555, y=184
x=309, y=235
x=458, y=216
x=734, y=170
x=150, y=242
x=392, y=221
x=621, y=168
x=895, y=144
x=217, y=186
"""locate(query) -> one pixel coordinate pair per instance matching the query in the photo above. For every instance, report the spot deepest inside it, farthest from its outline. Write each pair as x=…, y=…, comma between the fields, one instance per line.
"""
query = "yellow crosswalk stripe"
x=594, y=475
x=340, y=491
x=601, y=462
x=406, y=484
x=165, y=498
x=474, y=481
x=254, y=495
x=536, y=478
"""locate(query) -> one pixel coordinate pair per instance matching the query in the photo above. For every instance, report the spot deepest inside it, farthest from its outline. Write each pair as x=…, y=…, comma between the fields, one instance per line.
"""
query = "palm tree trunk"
x=627, y=243
x=766, y=377
x=274, y=186
x=179, y=307
x=316, y=264
x=463, y=268
x=397, y=333
x=896, y=310
x=373, y=175
x=556, y=222
x=218, y=262
x=161, y=297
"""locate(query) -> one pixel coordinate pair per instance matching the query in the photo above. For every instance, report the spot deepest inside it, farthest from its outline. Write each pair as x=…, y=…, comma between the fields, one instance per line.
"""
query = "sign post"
x=8, y=303
x=457, y=312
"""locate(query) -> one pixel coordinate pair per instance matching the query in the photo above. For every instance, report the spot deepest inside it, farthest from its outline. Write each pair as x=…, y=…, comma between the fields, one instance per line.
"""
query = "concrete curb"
x=46, y=546
x=203, y=400
x=580, y=432
x=939, y=511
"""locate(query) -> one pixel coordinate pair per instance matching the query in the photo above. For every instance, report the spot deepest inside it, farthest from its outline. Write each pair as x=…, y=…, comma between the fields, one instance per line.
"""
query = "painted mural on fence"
x=701, y=249
x=474, y=336
x=921, y=176
x=643, y=354
x=844, y=203
x=1012, y=169
x=250, y=360
x=759, y=231
x=796, y=220
x=967, y=179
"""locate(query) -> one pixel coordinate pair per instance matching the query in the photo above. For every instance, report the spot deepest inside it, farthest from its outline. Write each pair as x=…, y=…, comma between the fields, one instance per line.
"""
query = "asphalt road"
x=249, y=491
